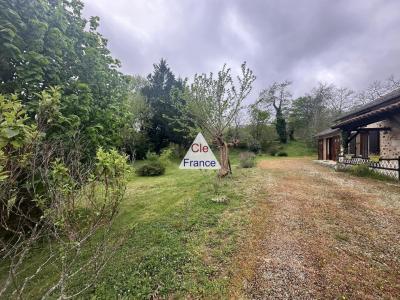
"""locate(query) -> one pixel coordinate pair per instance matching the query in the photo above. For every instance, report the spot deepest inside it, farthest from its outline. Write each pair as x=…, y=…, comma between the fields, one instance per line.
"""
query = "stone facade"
x=390, y=139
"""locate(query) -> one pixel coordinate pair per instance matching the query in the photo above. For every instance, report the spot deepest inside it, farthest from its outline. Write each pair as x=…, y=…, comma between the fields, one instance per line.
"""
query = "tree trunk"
x=224, y=158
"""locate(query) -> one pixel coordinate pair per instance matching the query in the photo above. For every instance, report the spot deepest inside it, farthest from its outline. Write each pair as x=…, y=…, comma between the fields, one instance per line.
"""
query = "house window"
x=373, y=139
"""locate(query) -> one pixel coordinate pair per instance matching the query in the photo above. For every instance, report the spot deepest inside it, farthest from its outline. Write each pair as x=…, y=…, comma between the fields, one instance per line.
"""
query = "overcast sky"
x=346, y=42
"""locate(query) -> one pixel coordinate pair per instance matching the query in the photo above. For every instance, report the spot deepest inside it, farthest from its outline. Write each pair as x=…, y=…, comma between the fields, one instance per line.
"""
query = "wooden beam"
x=352, y=136
x=374, y=129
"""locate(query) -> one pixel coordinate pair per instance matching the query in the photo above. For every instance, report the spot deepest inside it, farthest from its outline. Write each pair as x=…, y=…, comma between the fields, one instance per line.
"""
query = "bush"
x=282, y=153
x=362, y=171
x=247, y=160
x=166, y=156
x=151, y=168
x=254, y=146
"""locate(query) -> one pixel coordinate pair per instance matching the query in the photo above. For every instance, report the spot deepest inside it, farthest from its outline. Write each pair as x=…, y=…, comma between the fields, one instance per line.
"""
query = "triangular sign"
x=200, y=156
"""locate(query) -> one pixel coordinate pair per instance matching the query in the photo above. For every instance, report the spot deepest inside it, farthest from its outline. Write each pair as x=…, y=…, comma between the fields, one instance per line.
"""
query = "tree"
x=278, y=97
x=342, y=100
x=377, y=89
x=317, y=110
x=135, y=141
x=258, y=119
x=213, y=103
x=66, y=208
x=157, y=93
x=45, y=44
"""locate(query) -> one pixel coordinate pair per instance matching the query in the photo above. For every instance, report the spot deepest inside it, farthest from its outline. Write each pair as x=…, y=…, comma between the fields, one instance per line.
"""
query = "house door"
x=332, y=148
x=364, y=144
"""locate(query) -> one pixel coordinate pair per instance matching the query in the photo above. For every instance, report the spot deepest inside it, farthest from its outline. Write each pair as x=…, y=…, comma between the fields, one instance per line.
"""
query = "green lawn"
x=298, y=148
x=181, y=241
x=177, y=241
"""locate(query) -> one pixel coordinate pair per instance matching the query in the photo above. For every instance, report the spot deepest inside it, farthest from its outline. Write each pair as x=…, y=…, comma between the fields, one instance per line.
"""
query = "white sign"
x=199, y=156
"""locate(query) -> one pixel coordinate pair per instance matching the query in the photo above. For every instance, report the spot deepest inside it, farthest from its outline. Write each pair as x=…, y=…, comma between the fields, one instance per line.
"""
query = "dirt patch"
x=321, y=234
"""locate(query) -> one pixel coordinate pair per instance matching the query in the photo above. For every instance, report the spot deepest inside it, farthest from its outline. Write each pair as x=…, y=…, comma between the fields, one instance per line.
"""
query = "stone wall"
x=390, y=139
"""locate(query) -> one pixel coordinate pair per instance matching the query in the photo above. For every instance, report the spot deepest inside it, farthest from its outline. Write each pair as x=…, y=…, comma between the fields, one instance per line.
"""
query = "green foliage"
x=177, y=151
x=361, y=170
x=167, y=155
x=315, y=111
x=151, y=168
x=17, y=138
x=111, y=164
x=298, y=148
x=247, y=159
x=258, y=119
x=14, y=130
x=45, y=44
x=254, y=146
x=160, y=93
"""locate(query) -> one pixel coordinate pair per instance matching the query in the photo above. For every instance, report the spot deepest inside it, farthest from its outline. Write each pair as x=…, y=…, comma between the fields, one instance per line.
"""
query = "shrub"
x=247, y=160
x=254, y=146
x=282, y=153
x=361, y=170
x=151, y=168
x=166, y=156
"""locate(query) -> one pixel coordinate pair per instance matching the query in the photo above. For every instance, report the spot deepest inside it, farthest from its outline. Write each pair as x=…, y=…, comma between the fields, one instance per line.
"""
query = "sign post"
x=200, y=156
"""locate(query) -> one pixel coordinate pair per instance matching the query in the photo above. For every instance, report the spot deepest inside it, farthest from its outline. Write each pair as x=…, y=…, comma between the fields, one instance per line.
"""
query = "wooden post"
x=398, y=167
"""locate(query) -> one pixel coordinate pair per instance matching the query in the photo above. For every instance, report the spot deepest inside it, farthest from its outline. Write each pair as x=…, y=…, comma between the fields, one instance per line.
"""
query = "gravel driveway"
x=321, y=234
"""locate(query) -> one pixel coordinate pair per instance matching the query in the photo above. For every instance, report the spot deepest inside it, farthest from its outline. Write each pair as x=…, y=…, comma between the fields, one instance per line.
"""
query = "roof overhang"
x=368, y=117
x=328, y=133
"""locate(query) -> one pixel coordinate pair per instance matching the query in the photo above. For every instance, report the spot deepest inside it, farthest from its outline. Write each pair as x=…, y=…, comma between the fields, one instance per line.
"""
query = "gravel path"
x=325, y=235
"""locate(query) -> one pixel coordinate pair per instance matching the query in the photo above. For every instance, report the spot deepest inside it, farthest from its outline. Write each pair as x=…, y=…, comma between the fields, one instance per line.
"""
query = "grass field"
x=181, y=241
x=298, y=148
x=177, y=241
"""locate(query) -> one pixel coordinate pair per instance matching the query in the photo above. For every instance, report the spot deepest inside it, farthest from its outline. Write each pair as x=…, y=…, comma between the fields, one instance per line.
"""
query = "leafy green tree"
x=310, y=114
x=48, y=43
x=258, y=119
x=158, y=93
x=135, y=141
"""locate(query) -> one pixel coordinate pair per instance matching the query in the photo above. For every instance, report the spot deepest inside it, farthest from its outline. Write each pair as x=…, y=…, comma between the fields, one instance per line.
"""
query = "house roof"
x=371, y=105
x=328, y=132
x=372, y=112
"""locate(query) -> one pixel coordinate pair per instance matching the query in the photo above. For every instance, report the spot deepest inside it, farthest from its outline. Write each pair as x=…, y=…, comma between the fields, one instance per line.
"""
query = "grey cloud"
x=348, y=43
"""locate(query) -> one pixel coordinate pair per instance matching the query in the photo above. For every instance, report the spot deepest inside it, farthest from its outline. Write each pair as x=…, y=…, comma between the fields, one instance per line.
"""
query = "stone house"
x=372, y=129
